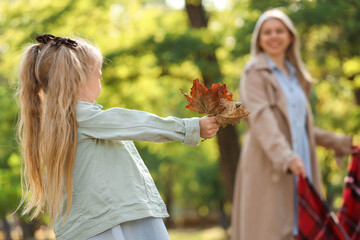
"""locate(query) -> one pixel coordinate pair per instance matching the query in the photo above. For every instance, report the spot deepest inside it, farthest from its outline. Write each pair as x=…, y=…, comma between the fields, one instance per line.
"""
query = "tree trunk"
x=357, y=96
x=227, y=137
x=229, y=155
x=224, y=218
x=356, y=90
x=7, y=229
x=30, y=228
x=196, y=14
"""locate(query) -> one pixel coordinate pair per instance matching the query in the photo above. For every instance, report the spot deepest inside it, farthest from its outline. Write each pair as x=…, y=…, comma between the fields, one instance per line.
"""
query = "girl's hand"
x=297, y=167
x=208, y=127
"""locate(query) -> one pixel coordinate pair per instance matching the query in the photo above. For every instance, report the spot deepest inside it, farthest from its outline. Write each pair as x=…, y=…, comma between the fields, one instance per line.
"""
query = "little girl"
x=79, y=161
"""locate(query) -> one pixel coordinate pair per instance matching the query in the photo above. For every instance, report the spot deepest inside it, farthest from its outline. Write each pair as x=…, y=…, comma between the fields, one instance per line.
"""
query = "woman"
x=281, y=138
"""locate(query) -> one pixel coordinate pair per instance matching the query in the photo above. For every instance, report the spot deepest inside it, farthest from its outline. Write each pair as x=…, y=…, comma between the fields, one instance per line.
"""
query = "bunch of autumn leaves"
x=216, y=101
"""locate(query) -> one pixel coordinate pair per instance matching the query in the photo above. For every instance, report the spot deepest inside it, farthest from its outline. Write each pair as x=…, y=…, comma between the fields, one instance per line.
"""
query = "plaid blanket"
x=317, y=222
x=349, y=214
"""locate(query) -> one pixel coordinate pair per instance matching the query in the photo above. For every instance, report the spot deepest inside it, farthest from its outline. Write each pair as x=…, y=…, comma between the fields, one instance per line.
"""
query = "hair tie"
x=55, y=41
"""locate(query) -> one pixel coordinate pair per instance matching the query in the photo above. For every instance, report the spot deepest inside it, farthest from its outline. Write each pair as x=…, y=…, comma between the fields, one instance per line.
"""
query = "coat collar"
x=259, y=62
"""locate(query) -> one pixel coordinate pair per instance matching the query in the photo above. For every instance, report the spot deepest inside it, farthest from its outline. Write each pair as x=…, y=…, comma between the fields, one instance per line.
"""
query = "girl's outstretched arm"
x=134, y=125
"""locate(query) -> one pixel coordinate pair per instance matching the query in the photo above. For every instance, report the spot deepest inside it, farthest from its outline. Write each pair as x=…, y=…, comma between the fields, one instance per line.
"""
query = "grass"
x=213, y=233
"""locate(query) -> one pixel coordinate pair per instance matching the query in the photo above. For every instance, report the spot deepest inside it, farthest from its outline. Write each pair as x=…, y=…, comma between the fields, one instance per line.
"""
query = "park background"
x=152, y=49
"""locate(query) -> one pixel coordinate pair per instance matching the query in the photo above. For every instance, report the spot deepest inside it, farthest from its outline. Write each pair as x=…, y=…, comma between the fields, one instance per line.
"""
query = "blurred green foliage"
x=150, y=52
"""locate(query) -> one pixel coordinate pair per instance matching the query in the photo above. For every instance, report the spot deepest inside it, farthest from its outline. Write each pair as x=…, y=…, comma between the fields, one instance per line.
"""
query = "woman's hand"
x=354, y=150
x=208, y=127
x=297, y=167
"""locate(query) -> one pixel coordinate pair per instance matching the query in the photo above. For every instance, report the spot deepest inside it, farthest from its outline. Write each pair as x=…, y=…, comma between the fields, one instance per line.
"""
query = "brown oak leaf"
x=232, y=114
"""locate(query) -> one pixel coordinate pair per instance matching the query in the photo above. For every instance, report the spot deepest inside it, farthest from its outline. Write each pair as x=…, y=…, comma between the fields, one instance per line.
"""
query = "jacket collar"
x=90, y=104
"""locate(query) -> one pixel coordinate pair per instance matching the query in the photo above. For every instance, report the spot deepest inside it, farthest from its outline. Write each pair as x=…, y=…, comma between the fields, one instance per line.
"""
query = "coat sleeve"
x=263, y=125
x=126, y=124
x=339, y=143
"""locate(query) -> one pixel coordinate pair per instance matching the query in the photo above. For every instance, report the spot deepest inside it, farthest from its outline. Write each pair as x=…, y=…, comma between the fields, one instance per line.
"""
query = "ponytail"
x=49, y=82
x=29, y=132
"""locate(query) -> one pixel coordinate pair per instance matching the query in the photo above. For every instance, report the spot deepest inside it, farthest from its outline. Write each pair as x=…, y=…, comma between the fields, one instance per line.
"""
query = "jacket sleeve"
x=339, y=143
x=126, y=124
x=263, y=125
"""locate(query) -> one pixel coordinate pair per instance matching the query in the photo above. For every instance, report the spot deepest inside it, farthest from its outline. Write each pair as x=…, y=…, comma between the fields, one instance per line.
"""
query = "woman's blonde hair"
x=50, y=74
x=293, y=51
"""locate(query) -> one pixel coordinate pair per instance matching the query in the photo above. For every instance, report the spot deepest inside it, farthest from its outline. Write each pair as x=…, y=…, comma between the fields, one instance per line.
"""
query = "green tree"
x=152, y=50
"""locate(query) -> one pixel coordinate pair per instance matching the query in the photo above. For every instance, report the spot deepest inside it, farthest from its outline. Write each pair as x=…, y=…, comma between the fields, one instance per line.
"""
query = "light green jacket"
x=111, y=183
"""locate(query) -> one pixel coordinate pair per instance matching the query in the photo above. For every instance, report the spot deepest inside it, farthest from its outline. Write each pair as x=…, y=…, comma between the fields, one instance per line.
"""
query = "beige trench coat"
x=263, y=196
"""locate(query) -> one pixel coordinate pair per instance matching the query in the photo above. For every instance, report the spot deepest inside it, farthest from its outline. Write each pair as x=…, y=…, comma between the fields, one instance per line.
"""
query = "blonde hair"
x=293, y=51
x=49, y=80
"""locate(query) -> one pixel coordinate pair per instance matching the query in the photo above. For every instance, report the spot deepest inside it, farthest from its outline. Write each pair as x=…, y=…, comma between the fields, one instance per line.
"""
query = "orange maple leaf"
x=204, y=100
x=216, y=101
